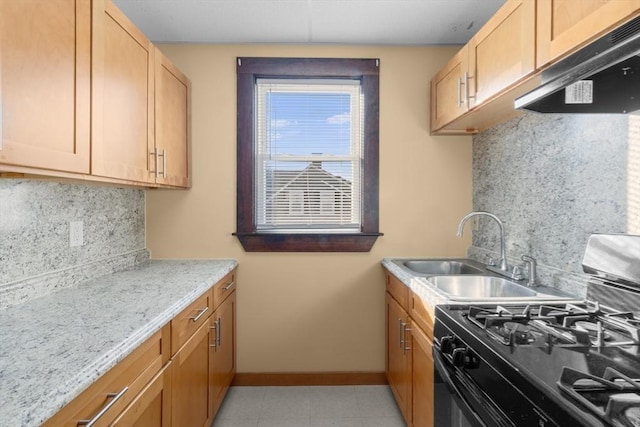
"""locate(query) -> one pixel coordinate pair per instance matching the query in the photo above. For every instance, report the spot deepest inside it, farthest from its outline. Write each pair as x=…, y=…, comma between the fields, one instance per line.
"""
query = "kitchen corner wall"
x=554, y=179
x=35, y=256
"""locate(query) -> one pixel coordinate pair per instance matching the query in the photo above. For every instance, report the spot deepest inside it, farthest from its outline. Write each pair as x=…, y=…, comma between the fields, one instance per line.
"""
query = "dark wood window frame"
x=248, y=71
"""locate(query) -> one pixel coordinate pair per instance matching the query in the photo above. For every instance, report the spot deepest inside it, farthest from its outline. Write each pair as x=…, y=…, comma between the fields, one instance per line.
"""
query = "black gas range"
x=550, y=364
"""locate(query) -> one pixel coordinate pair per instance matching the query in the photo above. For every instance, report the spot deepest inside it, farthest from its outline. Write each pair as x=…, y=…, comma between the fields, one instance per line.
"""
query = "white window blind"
x=308, y=155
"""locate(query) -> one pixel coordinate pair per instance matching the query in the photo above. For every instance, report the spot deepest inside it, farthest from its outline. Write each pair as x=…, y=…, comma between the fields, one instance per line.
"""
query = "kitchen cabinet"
x=152, y=407
x=422, y=366
x=177, y=377
x=497, y=57
x=190, y=382
x=110, y=108
x=223, y=342
x=565, y=25
x=125, y=384
x=398, y=357
x=502, y=52
x=449, y=91
x=204, y=365
x=45, y=83
x=171, y=149
x=122, y=117
x=410, y=368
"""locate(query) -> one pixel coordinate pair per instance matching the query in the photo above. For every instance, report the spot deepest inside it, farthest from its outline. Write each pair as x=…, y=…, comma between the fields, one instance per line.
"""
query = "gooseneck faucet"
x=504, y=267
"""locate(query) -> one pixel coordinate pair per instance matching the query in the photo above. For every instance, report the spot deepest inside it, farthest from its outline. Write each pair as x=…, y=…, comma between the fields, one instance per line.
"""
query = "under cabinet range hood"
x=602, y=77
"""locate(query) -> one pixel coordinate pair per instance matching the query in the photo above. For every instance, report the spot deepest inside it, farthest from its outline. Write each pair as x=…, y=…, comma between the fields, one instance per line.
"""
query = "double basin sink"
x=469, y=280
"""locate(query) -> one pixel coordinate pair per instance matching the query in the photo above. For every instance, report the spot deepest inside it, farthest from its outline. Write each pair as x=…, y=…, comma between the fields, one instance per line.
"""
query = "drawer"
x=115, y=390
x=224, y=288
x=422, y=315
x=398, y=290
x=189, y=320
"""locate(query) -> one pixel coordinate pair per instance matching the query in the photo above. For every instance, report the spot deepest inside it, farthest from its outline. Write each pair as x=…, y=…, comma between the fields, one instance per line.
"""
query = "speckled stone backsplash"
x=35, y=255
x=553, y=180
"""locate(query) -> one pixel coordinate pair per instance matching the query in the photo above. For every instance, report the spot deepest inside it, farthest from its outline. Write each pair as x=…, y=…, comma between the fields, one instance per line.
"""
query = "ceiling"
x=386, y=22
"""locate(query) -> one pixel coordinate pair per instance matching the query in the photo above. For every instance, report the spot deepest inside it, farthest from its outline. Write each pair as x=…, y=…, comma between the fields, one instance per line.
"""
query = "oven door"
x=462, y=403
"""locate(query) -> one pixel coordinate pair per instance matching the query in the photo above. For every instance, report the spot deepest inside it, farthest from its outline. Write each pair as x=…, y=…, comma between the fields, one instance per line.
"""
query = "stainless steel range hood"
x=602, y=77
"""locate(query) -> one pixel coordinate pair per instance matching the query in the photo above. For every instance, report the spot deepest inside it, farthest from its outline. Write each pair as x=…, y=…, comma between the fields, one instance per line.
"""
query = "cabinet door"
x=449, y=91
x=564, y=25
x=223, y=358
x=190, y=381
x=45, y=84
x=421, y=378
x=502, y=52
x=152, y=406
x=172, y=149
x=398, y=368
x=122, y=96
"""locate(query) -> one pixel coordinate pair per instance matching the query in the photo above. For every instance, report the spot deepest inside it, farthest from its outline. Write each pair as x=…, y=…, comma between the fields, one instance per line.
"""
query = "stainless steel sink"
x=430, y=267
x=480, y=287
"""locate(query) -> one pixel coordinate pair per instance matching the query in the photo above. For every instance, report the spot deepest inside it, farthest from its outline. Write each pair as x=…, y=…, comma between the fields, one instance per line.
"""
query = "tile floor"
x=323, y=406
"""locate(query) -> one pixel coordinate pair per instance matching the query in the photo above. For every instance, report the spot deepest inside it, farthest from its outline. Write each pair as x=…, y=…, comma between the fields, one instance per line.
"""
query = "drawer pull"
x=201, y=312
x=114, y=398
x=229, y=286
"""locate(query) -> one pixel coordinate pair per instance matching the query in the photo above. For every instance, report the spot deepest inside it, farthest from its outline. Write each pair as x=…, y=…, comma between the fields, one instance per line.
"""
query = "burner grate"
x=613, y=397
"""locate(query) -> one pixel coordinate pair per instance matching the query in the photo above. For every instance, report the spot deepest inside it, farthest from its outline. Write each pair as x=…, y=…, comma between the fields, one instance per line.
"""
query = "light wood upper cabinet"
x=502, y=52
x=122, y=122
x=45, y=84
x=565, y=25
x=449, y=91
x=172, y=143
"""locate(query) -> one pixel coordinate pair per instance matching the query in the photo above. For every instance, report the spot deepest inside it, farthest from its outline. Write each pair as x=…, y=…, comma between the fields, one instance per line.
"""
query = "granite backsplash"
x=554, y=179
x=35, y=255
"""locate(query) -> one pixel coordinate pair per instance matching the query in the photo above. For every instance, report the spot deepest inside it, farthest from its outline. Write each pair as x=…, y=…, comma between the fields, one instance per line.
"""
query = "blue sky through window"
x=306, y=124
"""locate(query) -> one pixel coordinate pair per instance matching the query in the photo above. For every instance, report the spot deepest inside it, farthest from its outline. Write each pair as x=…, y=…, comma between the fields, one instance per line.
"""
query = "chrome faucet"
x=503, y=265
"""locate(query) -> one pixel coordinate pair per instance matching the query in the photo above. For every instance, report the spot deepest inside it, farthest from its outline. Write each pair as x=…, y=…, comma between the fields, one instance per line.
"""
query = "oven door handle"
x=470, y=414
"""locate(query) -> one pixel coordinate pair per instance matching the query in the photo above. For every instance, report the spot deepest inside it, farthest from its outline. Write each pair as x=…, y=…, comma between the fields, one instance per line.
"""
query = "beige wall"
x=303, y=312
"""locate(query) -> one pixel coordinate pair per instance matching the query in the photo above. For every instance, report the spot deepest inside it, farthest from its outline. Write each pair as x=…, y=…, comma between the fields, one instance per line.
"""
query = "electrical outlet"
x=76, y=233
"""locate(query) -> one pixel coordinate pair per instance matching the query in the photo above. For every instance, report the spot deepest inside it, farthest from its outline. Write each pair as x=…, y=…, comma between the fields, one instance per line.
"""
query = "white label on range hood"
x=580, y=92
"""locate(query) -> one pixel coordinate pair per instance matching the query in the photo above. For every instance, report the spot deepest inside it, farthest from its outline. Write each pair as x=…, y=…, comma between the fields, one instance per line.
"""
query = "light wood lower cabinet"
x=104, y=400
x=422, y=375
x=178, y=377
x=398, y=368
x=152, y=407
x=223, y=356
x=409, y=361
x=190, y=382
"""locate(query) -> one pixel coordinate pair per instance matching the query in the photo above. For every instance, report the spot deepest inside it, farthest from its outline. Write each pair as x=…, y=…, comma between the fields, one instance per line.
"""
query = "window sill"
x=315, y=242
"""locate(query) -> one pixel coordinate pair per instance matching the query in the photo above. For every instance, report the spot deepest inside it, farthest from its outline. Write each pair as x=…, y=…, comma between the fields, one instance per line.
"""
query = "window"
x=307, y=154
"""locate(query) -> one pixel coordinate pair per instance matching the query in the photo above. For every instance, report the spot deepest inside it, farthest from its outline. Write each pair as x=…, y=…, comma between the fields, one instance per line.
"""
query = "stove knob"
x=447, y=344
x=459, y=357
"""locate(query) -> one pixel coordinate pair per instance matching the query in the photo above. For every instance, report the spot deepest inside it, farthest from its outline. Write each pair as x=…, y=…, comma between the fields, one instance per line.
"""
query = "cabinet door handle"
x=201, y=312
x=163, y=154
x=400, y=334
x=467, y=95
x=153, y=154
x=114, y=398
x=219, y=331
x=405, y=348
x=229, y=286
x=214, y=328
x=459, y=87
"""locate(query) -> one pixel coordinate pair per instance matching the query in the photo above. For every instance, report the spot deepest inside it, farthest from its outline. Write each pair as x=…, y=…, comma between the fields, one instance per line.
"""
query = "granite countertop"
x=56, y=346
